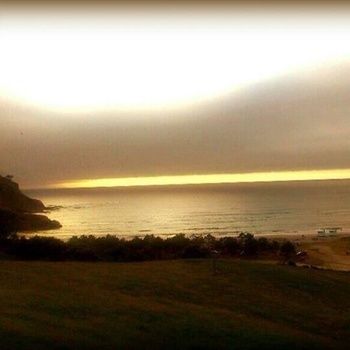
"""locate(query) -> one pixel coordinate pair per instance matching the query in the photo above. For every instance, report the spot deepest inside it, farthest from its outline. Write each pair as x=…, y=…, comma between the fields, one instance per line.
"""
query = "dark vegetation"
x=112, y=248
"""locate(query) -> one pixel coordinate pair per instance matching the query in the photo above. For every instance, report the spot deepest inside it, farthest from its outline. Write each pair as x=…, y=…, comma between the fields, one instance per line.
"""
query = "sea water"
x=264, y=208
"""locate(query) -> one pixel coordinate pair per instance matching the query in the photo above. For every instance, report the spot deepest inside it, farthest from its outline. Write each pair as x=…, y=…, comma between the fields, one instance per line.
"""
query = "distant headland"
x=19, y=212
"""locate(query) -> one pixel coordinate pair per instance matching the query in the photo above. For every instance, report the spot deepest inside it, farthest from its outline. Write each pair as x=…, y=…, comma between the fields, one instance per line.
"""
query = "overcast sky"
x=298, y=120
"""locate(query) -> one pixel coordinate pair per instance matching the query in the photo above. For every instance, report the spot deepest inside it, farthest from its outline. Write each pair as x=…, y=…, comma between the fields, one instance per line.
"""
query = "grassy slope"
x=177, y=304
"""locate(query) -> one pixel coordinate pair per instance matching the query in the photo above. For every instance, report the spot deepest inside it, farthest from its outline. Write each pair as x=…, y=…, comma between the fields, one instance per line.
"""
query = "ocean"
x=260, y=208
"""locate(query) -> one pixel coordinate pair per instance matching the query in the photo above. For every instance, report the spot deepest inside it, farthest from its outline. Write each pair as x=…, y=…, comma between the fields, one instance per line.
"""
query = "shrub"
x=37, y=248
x=112, y=248
x=195, y=251
x=248, y=243
x=287, y=249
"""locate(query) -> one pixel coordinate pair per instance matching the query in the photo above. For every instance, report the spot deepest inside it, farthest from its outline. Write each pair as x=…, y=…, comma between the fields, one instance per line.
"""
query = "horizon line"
x=194, y=179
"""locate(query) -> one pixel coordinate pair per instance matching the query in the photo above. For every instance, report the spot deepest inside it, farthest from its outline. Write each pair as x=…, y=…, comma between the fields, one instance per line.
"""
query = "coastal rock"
x=17, y=211
x=12, y=198
x=11, y=221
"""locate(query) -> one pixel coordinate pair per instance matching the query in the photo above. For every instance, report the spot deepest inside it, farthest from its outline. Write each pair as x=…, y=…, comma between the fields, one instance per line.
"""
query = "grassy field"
x=172, y=304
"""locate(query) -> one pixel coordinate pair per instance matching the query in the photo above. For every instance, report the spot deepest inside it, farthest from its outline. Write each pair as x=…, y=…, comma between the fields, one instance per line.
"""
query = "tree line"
x=149, y=247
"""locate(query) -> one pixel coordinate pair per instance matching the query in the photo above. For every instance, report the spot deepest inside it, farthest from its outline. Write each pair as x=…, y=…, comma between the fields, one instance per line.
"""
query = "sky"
x=210, y=95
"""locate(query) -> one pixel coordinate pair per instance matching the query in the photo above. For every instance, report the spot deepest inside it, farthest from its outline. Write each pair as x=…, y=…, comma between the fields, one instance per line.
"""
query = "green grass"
x=171, y=304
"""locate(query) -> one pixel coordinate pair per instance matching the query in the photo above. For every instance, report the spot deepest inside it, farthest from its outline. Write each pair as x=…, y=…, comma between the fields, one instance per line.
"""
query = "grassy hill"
x=172, y=304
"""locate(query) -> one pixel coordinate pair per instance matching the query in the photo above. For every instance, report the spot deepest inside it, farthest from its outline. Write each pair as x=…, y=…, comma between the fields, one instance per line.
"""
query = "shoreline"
x=302, y=234
x=291, y=235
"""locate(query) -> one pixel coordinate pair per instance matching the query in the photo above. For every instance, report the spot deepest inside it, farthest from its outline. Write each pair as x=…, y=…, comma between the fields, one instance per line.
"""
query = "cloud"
x=294, y=122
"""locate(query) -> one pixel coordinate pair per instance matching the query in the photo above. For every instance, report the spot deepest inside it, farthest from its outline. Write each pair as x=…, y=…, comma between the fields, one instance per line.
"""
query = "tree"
x=249, y=244
x=287, y=249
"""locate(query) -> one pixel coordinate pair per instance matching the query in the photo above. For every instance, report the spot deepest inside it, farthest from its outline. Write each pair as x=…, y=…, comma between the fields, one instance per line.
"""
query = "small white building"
x=328, y=231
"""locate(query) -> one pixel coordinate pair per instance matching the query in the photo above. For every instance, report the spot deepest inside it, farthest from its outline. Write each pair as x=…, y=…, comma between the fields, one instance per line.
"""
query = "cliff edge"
x=17, y=211
x=11, y=198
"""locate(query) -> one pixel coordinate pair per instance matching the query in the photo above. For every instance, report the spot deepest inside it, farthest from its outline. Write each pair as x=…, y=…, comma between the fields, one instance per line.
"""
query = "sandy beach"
x=331, y=253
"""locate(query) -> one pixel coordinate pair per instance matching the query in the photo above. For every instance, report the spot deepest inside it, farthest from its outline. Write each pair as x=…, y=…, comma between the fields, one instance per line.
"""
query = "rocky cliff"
x=11, y=222
x=17, y=210
x=12, y=198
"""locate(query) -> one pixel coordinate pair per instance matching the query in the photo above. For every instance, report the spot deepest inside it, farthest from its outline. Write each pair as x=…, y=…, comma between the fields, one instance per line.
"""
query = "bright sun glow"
x=335, y=174
x=79, y=63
